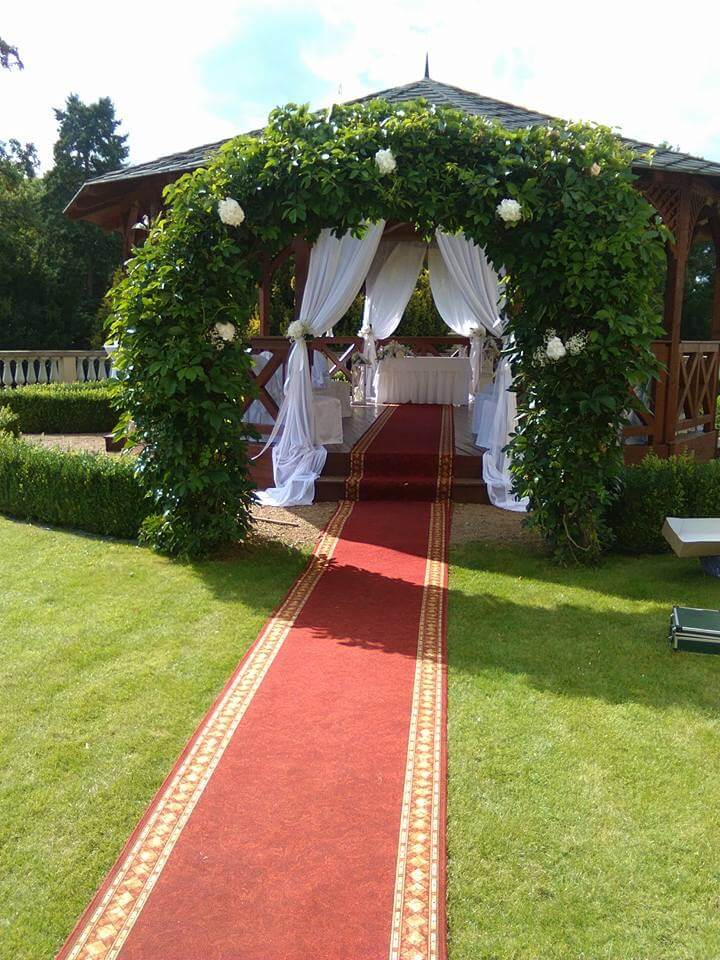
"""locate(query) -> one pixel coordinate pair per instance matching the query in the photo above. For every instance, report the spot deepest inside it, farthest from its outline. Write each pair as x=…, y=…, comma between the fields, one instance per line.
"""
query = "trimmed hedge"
x=654, y=489
x=64, y=407
x=84, y=491
x=9, y=422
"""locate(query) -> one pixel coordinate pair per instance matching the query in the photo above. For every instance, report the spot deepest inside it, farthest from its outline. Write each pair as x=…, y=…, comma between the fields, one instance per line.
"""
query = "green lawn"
x=584, y=762
x=110, y=655
x=584, y=757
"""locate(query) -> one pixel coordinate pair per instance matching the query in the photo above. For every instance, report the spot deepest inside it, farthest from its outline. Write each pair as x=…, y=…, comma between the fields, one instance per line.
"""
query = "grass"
x=584, y=757
x=110, y=655
x=584, y=762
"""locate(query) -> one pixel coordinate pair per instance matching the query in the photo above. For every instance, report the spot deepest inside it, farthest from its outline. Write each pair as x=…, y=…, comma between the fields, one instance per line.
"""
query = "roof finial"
x=427, y=66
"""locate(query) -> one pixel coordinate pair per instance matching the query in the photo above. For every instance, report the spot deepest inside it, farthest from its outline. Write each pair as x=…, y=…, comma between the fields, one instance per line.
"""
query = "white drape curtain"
x=466, y=291
x=336, y=271
x=388, y=287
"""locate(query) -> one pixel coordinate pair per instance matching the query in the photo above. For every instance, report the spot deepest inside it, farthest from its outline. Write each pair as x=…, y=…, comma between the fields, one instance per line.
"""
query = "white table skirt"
x=328, y=420
x=423, y=380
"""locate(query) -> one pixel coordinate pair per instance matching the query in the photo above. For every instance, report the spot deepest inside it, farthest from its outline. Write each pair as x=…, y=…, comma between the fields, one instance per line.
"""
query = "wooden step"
x=464, y=489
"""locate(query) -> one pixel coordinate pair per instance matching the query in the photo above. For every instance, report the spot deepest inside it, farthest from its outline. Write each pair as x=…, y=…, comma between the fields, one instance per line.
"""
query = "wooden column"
x=674, y=293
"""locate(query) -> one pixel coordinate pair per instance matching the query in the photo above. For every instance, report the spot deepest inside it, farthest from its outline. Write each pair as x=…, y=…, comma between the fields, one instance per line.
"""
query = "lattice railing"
x=697, y=386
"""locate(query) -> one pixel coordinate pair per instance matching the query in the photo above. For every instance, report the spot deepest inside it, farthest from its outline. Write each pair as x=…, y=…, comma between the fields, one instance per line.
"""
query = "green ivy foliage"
x=584, y=257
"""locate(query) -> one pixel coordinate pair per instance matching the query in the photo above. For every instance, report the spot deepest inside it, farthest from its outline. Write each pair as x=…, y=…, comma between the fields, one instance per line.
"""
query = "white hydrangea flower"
x=225, y=331
x=231, y=212
x=555, y=348
x=509, y=210
x=386, y=162
x=577, y=343
x=297, y=330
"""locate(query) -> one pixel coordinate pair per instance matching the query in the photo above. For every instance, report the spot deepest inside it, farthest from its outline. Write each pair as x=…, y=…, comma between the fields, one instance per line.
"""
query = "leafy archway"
x=582, y=265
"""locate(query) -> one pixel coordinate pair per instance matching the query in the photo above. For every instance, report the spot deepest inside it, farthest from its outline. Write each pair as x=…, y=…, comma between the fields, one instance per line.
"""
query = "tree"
x=81, y=257
x=54, y=273
x=9, y=57
x=22, y=156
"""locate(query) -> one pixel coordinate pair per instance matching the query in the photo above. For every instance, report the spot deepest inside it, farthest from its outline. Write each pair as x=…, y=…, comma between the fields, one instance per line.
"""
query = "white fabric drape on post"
x=388, y=287
x=465, y=288
x=337, y=269
x=496, y=463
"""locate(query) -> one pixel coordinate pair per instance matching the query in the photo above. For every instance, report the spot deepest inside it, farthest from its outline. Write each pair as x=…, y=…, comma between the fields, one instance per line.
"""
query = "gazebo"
x=678, y=414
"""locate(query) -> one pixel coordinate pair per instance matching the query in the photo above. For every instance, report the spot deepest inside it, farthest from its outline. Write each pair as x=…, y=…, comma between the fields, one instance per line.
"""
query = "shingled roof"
x=441, y=94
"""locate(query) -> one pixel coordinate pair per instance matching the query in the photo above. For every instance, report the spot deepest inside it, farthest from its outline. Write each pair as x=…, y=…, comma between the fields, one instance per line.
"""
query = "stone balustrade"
x=19, y=368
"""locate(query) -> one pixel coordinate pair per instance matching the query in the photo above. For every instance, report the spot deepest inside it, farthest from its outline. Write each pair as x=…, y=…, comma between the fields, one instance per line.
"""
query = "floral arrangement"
x=509, y=210
x=299, y=331
x=393, y=351
x=553, y=348
x=359, y=359
x=385, y=161
x=231, y=212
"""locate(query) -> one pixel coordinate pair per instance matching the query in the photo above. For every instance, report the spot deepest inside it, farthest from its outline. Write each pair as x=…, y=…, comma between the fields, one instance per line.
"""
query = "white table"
x=423, y=380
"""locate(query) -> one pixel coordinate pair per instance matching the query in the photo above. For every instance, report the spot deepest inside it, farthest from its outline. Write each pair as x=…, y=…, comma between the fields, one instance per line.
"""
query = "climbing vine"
x=582, y=259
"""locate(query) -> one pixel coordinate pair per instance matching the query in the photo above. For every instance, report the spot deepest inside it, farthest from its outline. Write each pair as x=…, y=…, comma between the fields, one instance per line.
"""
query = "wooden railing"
x=19, y=368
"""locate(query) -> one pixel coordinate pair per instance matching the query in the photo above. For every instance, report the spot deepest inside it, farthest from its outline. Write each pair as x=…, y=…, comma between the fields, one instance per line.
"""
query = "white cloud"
x=626, y=64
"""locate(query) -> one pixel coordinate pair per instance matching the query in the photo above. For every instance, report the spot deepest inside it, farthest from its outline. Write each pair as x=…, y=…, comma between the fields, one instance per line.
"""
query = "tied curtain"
x=388, y=288
x=465, y=288
x=338, y=266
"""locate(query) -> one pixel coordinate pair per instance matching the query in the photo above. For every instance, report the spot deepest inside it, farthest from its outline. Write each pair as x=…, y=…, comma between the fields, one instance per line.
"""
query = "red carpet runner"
x=305, y=820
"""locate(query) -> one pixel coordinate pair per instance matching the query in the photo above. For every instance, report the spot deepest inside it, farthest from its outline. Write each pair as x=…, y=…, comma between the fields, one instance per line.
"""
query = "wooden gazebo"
x=685, y=190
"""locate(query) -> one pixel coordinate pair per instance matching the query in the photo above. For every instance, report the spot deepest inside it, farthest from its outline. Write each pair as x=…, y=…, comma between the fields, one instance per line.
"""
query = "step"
x=464, y=490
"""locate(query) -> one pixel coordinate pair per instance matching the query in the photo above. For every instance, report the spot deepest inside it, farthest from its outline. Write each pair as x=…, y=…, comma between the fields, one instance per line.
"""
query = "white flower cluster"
x=223, y=333
x=554, y=349
x=595, y=170
x=298, y=330
x=509, y=210
x=231, y=212
x=393, y=351
x=365, y=330
x=386, y=162
x=477, y=332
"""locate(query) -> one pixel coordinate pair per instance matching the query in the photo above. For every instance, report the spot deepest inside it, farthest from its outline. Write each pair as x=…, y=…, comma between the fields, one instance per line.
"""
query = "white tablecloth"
x=423, y=380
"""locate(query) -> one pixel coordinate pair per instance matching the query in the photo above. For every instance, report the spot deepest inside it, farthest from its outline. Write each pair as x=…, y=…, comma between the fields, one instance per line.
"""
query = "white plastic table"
x=423, y=380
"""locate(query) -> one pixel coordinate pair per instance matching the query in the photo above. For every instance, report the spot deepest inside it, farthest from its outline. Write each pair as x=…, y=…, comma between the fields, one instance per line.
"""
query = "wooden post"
x=674, y=293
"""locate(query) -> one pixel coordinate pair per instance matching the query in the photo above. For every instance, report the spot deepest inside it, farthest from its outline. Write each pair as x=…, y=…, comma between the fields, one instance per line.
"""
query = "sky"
x=182, y=74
